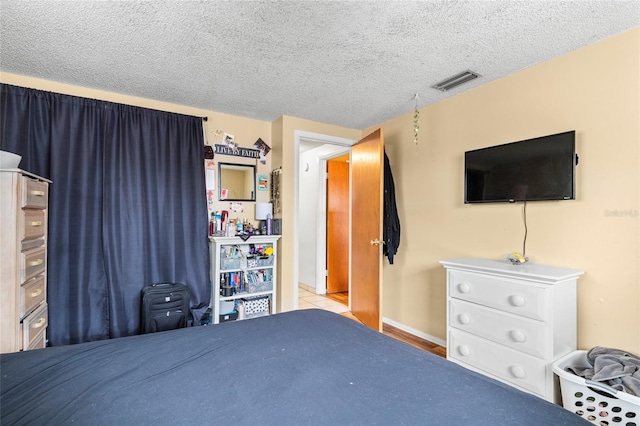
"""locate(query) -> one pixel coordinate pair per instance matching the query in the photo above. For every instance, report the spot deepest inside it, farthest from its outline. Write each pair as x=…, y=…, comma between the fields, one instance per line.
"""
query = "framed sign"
x=237, y=151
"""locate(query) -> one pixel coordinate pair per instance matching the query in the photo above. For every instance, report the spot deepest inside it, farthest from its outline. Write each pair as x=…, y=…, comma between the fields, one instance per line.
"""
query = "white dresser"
x=511, y=322
x=23, y=250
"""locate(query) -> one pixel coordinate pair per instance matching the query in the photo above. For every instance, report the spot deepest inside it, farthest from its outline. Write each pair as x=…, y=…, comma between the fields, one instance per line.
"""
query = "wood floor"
x=414, y=340
x=394, y=332
x=339, y=297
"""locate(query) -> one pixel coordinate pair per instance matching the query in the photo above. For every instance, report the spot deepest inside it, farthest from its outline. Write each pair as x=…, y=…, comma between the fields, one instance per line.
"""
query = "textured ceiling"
x=354, y=64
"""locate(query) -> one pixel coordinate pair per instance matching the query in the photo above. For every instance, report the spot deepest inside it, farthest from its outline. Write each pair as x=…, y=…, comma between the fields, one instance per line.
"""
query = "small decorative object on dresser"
x=23, y=269
x=511, y=322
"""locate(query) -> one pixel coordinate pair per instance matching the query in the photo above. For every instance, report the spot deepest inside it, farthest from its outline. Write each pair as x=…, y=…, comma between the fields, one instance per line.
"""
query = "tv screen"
x=530, y=170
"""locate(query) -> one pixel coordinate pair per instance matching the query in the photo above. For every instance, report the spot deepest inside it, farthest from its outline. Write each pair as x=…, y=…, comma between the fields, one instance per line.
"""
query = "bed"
x=296, y=368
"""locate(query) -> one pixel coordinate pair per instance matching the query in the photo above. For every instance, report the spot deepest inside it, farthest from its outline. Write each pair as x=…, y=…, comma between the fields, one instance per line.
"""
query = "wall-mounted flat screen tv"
x=530, y=170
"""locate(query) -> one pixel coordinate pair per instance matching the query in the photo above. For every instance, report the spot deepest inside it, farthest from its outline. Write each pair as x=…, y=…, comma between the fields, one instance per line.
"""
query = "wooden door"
x=367, y=174
x=338, y=225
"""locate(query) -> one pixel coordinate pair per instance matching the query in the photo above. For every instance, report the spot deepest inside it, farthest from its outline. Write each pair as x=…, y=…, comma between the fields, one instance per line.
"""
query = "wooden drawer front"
x=33, y=325
x=519, y=333
x=34, y=225
x=34, y=193
x=500, y=293
x=33, y=263
x=39, y=341
x=504, y=363
x=31, y=294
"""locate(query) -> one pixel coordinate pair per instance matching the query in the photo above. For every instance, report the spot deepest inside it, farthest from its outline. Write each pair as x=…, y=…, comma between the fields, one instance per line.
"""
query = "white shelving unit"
x=254, y=277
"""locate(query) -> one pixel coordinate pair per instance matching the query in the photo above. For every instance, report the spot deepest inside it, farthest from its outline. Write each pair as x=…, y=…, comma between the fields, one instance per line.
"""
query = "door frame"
x=301, y=135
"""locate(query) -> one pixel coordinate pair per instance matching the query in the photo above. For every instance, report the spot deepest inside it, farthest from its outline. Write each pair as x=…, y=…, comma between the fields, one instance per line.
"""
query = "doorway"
x=312, y=152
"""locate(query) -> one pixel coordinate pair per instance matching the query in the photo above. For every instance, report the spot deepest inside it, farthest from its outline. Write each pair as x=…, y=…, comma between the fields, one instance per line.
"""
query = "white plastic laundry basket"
x=598, y=403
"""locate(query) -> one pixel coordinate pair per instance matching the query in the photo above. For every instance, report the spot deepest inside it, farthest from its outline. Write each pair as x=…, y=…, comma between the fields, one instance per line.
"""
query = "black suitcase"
x=165, y=306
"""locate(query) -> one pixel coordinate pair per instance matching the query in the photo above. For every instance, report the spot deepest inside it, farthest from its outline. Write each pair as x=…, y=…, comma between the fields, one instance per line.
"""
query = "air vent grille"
x=455, y=81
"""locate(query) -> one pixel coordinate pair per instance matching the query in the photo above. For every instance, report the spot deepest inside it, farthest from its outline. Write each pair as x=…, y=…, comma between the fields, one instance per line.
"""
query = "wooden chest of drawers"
x=511, y=322
x=23, y=250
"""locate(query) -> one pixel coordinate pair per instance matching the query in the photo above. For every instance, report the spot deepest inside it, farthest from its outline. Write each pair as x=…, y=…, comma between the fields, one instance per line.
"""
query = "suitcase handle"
x=167, y=284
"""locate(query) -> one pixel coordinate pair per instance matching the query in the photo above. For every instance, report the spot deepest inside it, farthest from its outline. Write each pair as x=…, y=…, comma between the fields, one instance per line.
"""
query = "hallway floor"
x=309, y=300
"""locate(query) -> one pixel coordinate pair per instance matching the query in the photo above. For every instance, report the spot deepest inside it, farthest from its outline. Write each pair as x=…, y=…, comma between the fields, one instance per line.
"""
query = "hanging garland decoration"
x=416, y=119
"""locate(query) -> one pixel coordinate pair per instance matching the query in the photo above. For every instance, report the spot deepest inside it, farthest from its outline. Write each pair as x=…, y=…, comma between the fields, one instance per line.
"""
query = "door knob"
x=376, y=242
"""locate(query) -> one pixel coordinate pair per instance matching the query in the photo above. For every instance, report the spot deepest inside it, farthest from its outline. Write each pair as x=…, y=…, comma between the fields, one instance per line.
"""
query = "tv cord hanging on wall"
x=524, y=218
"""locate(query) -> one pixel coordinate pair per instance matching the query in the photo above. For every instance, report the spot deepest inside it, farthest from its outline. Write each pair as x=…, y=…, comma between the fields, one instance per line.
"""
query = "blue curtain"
x=127, y=206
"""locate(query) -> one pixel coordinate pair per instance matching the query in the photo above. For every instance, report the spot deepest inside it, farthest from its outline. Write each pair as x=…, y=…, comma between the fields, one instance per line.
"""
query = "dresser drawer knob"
x=517, y=372
x=39, y=323
x=36, y=293
x=518, y=336
x=464, y=350
x=517, y=300
x=464, y=288
x=36, y=223
x=36, y=262
x=464, y=319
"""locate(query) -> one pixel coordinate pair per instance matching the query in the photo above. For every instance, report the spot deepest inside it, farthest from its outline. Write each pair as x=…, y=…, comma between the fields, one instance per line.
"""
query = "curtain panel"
x=127, y=206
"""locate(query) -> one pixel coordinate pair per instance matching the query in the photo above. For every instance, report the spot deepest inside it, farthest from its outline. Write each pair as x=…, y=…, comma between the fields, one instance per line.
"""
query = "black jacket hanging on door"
x=391, y=221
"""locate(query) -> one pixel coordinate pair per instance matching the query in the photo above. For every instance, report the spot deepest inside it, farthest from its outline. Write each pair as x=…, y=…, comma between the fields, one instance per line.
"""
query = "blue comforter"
x=297, y=368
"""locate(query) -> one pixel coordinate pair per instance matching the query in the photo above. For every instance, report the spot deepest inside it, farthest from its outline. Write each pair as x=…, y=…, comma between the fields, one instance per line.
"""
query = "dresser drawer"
x=34, y=325
x=504, y=363
x=39, y=341
x=32, y=262
x=31, y=294
x=33, y=224
x=500, y=293
x=516, y=332
x=34, y=193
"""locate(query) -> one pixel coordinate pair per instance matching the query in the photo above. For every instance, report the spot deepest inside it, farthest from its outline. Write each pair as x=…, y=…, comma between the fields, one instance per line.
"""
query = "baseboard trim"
x=312, y=289
x=414, y=332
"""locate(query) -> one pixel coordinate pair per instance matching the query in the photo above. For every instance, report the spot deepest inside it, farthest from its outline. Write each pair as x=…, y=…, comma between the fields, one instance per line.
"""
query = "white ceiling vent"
x=455, y=81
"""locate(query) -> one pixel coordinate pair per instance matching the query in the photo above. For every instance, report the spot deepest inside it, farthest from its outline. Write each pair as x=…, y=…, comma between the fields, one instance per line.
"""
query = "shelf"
x=245, y=295
x=252, y=268
x=254, y=239
x=257, y=268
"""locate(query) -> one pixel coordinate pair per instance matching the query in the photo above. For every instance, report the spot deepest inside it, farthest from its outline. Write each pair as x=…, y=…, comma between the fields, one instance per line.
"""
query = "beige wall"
x=594, y=91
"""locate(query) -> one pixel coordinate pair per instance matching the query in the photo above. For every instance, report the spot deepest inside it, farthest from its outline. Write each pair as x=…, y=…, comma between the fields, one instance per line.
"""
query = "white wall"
x=308, y=223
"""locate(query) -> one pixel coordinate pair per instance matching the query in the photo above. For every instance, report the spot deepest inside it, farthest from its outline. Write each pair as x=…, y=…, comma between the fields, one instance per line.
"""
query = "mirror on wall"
x=236, y=182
